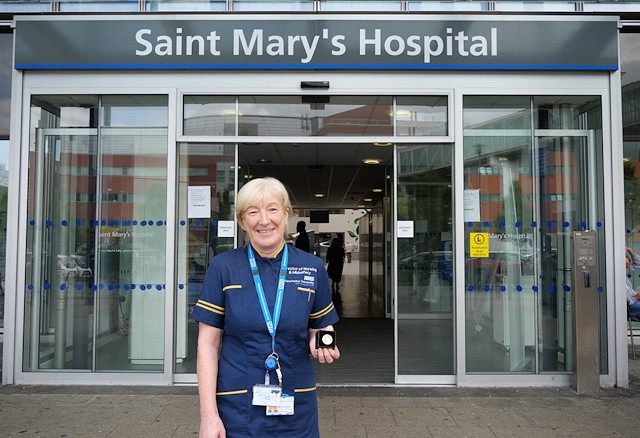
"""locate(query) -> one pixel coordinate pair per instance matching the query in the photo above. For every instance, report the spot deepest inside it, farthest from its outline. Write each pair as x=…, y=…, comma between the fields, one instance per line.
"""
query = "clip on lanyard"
x=272, y=361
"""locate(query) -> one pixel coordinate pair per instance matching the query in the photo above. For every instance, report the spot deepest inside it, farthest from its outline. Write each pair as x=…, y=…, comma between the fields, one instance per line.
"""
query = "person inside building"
x=348, y=250
x=335, y=264
x=259, y=310
x=633, y=297
x=302, y=241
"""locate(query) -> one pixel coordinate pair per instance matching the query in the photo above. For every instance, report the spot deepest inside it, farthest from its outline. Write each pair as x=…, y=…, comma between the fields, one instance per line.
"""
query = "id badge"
x=266, y=395
x=285, y=407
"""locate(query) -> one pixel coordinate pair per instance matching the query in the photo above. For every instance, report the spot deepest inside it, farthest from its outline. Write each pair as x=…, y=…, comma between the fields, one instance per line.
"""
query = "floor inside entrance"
x=364, y=335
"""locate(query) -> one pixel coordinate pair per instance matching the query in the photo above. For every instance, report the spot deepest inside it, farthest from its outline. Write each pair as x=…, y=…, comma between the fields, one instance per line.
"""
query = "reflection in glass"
x=315, y=116
x=425, y=261
x=4, y=189
x=96, y=237
x=527, y=194
x=59, y=298
x=205, y=171
x=421, y=115
x=209, y=115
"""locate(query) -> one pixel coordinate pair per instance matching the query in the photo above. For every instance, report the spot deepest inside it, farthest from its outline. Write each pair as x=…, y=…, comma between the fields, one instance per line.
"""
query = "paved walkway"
x=345, y=412
x=124, y=411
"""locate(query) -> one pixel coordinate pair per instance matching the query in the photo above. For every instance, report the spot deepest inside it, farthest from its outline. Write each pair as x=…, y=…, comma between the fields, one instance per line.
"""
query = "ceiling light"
x=367, y=199
x=372, y=161
x=377, y=190
x=383, y=144
x=319, y=195
x=263, y=161
x=229, y=112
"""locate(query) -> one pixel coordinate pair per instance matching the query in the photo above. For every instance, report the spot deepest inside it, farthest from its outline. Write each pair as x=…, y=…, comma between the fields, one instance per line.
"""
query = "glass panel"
x=61, y=211
x=17, y=6
x=360, y=5
x=451, y=5
x=518, y=296
x=6, y=69
x=630, y=66
x=98, y=6
x=132, y=236
x=4, y=188
x=267, y=5
x=499, y=303
x=185, y=5
x=421, y=115
x=209, y=115
x=315, y=116
x=206, y=172
x=96, y=261
x=425, y=263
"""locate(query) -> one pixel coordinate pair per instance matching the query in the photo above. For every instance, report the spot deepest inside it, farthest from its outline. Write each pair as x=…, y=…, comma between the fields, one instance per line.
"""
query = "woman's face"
x=265, y=225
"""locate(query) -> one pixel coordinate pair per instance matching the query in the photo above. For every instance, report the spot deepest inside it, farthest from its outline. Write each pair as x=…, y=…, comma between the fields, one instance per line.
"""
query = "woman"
x=247, y=348
x=335, y=264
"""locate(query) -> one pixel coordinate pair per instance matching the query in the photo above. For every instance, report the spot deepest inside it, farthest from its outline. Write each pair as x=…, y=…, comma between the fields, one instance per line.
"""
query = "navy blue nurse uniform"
x=228, y=300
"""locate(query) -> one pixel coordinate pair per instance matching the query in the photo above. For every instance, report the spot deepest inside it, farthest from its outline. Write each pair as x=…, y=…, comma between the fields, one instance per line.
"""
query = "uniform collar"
x=276, y=255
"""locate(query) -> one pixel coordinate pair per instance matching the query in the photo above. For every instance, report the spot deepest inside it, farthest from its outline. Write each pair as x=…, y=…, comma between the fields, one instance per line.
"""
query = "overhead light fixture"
x=400, y=113
x=372, y=161
x=263, y=161
x=367, y=199
x=229, y=112
x=377, y=190
x=383, y=144
x=319, y=195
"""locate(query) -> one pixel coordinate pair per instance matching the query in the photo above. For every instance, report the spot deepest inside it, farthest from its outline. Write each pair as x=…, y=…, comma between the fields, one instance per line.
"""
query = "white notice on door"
x=199, y=202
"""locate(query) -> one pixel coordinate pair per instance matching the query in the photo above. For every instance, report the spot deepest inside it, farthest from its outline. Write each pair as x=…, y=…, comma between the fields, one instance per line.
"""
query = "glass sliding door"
x=95, y=277
x=425, y=298
x=530, y=182
x=205, y=221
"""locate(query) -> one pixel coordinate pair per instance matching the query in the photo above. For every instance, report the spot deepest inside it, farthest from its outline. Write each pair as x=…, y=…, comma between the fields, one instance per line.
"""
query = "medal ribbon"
x=271, y=322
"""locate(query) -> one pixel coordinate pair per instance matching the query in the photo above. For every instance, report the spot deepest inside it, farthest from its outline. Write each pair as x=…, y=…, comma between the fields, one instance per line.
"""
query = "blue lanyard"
x=272, y=322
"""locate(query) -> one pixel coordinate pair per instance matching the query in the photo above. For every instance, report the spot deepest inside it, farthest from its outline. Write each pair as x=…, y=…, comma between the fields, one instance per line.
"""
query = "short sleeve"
x=323, y=312
x=210, y=307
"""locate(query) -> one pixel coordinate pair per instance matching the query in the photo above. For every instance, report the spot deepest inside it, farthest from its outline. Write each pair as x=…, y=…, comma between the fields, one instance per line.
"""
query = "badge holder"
x=269, y=395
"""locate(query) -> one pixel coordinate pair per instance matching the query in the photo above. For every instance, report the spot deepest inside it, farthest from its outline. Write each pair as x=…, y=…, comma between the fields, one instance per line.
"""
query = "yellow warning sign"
x=478, y=245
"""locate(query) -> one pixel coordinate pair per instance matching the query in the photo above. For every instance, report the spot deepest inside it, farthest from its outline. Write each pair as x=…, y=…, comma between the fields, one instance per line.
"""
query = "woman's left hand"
x=324, y=355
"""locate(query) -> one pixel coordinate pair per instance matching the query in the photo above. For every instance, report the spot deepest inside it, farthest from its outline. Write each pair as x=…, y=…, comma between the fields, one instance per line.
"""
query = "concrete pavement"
x=345, y=412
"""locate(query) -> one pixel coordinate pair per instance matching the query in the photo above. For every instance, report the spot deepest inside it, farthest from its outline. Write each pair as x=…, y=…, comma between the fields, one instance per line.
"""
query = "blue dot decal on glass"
x=47, y=286
x=30, y=287
x=182, y=223
x=470, y=288
x=133, y=286
x=551, y=288
x=103, y=222
x=143, y=223
x=78, y=287
x=94, y=287
x=501, y=224
x=503, y=288
x=110, y=287
x=79, y=222
x=63, y=286
x=126, y=287
x=566, y=288
x=128, y=223
x=469, y=224
x=565, y=224
x=519, y=288
x=96, y=223
x=32, y=222
x=143, y=287
x=150, y=223
x=48, y=223
x=158, y=287
x=101, y=286
x=148, y=286
x=534, y=224
x=518, y=224
x=600, y=289
x=582, y=224
x=135, y=222
x=485, y=224
x=550, y=224
x=599, y=224
x=64, y=223
x=181, y=286
x=487, y=288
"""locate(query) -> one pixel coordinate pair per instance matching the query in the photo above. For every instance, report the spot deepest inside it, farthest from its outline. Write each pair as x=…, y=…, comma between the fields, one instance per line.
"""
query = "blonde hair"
x=256, y=191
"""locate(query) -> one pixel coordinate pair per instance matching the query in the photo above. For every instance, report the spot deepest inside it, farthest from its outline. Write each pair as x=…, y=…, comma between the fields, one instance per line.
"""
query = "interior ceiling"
x=334, y=170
